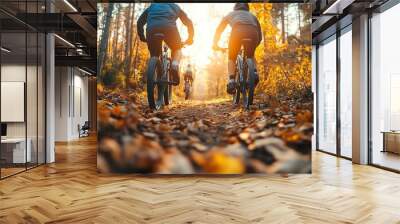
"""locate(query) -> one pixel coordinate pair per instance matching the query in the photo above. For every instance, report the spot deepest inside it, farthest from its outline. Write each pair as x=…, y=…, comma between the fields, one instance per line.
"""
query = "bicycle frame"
x=244, y=79
x=165, y=62
x=241, y=77
x=187, y=89
x=158, y=79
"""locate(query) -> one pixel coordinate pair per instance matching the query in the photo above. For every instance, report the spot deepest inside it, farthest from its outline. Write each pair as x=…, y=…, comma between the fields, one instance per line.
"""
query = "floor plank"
x=71, y=191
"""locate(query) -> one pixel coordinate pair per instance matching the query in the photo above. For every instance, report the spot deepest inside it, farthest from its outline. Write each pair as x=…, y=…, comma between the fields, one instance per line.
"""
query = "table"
x=15, y=148
x=391, y=141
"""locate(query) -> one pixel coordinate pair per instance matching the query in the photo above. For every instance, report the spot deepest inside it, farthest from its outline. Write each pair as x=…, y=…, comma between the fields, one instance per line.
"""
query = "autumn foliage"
x=284, y=55
x=207, y=134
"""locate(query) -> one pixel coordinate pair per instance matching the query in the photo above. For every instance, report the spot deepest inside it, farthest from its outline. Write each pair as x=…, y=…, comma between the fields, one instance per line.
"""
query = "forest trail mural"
x=203, y=132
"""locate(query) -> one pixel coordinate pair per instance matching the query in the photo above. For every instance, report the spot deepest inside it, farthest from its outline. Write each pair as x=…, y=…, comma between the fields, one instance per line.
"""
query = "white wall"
x=16, y=73
x=33, y=127
x=61, y=103
x=71, y=102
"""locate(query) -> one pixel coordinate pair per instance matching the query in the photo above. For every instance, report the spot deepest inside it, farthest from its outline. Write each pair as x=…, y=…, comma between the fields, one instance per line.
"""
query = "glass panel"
x=23, y=85
x=327, y=96
x=314, y=76
x=13, y=80
x=41, y=99
x=346, y=94
x=31, y=98
x=32, y=88
x=385, y=84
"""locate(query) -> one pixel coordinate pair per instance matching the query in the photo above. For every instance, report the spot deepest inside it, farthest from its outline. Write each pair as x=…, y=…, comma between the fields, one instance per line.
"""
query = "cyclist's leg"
x=251, y=33
x=233, y=50
x=173, y=40
x=154, y=43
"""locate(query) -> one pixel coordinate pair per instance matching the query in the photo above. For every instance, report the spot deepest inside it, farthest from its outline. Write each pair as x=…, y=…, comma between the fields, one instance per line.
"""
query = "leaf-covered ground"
x=203, y=136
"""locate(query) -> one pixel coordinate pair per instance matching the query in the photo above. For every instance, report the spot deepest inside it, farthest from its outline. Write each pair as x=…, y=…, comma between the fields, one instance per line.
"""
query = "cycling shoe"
x=175, y=75
x=231, y=87
x=256, y=78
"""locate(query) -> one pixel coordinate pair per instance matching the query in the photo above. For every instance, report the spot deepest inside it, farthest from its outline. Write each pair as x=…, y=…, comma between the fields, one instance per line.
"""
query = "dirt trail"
x=208, y=120
x=203, y=137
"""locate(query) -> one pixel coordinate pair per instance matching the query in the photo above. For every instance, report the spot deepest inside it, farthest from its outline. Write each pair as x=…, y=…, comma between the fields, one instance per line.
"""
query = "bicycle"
x=159, y=84
x=187, y=89
x=245, y=76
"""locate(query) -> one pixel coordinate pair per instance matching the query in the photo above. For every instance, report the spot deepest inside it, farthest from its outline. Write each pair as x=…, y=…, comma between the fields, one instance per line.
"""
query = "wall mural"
x=194, y=88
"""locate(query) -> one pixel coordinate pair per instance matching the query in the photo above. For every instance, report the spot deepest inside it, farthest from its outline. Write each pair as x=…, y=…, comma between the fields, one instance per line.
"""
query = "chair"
x=84, y=130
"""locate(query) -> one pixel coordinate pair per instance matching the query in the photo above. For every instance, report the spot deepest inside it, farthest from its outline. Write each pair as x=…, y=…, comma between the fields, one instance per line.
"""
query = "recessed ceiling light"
x=337, y=7
x=5, y=50
x=64, y=40
x=84, y=71
x=70, y=5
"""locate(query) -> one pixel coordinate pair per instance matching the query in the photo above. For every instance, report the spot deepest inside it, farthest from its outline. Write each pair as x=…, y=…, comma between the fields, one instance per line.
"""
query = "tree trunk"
x=133, y=38
x=136, y=45
x=129, y=46
x=104, y=38
x=217, y=86
x=116, y=37
x=265, y=60
x=299, y=18
x=128, y=40
x=283, y=26
x=101, y=19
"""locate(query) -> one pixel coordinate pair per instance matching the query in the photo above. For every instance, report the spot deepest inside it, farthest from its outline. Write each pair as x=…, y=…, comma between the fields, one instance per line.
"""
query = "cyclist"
x=188, y=76
x=161, y=18
x=244, y=26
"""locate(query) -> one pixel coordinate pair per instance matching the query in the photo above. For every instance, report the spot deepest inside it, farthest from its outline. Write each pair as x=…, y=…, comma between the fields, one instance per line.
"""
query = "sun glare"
x=205, y=18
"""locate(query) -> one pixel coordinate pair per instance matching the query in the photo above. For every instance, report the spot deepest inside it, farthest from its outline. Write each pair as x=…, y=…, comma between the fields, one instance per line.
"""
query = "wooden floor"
x=387, y=159
x=5, y=172
x=71, y=191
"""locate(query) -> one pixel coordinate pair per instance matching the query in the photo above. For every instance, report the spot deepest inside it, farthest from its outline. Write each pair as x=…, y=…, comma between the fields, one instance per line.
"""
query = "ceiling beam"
x=337, y=7
x=84, y=24
x=78, y=61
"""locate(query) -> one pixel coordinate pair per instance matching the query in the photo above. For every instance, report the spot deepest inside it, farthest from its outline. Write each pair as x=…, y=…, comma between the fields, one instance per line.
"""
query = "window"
x=346, y=92
x=327, y=96
x=385, y=89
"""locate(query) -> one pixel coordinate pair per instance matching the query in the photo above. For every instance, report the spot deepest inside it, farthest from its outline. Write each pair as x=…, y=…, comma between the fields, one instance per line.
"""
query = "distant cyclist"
x=188, y=76
x=244, y=26
x=161, y=18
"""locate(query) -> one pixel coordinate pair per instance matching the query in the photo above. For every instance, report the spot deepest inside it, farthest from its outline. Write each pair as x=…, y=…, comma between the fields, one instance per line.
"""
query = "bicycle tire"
x=168, y=95
x=168, y=90
x=243, y=84
x=252, y=82
x=151, y=77
x=239, y=72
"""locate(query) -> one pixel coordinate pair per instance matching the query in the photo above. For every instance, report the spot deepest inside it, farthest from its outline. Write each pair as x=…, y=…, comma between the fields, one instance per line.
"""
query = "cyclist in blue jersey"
x=161, y=19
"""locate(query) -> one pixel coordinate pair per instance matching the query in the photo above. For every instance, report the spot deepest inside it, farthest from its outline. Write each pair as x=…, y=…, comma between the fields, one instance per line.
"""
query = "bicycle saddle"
x=159, y=35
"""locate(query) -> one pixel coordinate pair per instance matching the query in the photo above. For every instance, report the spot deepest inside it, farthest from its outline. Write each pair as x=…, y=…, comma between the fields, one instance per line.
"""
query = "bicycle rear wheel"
x=251, y=82
x=168, y=89
x=238, y=80
x=153, y=89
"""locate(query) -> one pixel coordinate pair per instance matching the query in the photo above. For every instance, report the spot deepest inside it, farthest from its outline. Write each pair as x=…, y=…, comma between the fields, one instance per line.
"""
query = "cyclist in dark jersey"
x=188, y=76
x=161, y=18
x=244, y=26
